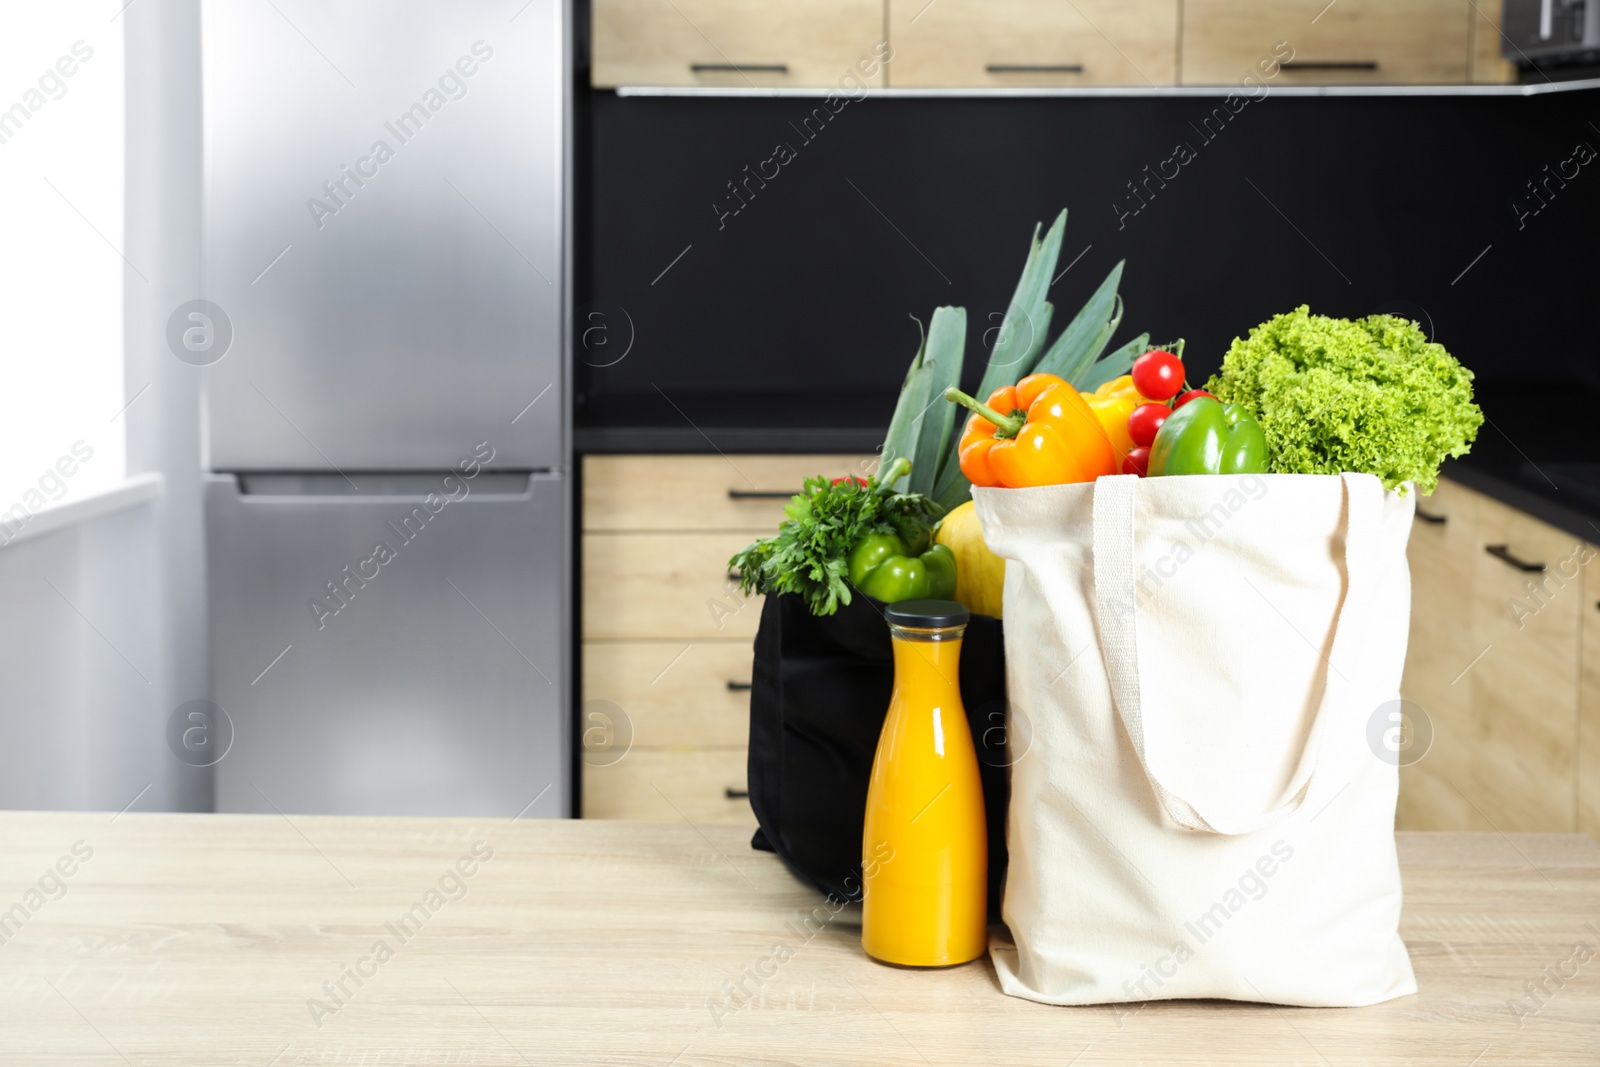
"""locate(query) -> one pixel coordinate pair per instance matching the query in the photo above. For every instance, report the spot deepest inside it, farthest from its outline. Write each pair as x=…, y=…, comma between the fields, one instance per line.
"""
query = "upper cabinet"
x=1022, y=44
x=1007, y=44
x=1381, y=42
x=1488, y=65
x=739, y=43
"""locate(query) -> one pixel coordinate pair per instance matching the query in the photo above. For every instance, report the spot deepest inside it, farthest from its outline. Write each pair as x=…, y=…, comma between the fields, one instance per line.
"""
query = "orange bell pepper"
x=1112, y=403
x=1040, y=431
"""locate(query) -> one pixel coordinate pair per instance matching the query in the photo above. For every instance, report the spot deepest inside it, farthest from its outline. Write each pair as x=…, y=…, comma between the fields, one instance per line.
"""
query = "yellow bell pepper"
x=1037, y=432
x=1112, y=403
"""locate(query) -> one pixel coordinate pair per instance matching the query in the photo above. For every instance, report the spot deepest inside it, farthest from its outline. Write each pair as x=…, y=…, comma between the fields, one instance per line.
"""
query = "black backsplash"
x=893, y=206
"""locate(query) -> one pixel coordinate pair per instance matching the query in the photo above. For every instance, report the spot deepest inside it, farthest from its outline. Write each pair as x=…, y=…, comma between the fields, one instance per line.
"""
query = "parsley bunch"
x=810, y=553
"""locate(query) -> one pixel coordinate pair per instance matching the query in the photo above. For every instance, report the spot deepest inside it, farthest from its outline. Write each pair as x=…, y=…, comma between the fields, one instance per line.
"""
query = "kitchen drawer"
x=1423, y=42
x=674, y=694
x=1589, y=702
x=1443, y=555
x=701, y=492
x=670, y=785
x=1521, y=774
x=786, y=43
x=1020, y=43
x=664, y=585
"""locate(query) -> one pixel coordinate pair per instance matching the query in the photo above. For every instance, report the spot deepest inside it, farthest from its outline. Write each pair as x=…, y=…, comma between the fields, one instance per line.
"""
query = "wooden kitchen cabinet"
x=1494, y=663
x=678, y=693
x=1023, y=43
x=666, y=634
x=669, y=584
x=1381, y=42
x=1589, y=701
x=785, y=43
x=1488, y=64
x=713, y=492
x=975, y=44
x=702, y=785
x=1442, y=553
x=1525, y=688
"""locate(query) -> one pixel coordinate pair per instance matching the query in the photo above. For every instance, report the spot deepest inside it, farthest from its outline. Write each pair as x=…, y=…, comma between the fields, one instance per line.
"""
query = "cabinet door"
x=671, y=785
x=1022, y=43
x=792, y=43
x=701, y=493
x=1487, y=64
x=1589, y=701
x=665, y=585
x=674, y=693
x=1443, y=555
x=1524, y=722
x=1381, y=42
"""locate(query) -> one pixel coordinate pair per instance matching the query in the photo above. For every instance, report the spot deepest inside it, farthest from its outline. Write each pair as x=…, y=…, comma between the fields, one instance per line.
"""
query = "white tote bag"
x=1192, y=666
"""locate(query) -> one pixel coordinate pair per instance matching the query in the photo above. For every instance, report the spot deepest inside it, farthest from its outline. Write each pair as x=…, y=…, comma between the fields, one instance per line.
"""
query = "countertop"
x=1529, y=456
x=684, y=421
x=208, y=939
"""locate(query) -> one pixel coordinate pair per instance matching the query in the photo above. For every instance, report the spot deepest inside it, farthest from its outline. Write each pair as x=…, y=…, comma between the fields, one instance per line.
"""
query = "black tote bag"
x=819, y=695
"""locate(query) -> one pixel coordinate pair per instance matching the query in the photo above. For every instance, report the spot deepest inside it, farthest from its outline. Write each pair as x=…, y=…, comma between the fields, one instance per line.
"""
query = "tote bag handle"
x=1115, y=604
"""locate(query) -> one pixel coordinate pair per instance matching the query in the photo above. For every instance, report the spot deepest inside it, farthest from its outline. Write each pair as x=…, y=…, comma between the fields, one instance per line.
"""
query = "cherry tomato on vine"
x=1193, y=394
x=1145, y=420
x=1137, y=461
x=1158, y=375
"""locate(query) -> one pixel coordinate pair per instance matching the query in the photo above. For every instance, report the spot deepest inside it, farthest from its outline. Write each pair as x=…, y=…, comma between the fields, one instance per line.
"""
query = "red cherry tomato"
x=1193, y=394
x=1137, y=461
x=1145, y=420
x=1158, y=375
x=850, y=478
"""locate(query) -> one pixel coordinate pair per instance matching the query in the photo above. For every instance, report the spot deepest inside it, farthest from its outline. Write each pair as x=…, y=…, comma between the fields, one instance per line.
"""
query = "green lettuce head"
x=1373, y=396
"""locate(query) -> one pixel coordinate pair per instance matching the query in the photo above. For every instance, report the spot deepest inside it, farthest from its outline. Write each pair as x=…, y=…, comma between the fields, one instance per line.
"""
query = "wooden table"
x=203, y=939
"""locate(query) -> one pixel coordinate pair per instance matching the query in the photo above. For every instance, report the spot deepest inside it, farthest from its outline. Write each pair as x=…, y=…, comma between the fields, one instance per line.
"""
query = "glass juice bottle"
x=924, y=846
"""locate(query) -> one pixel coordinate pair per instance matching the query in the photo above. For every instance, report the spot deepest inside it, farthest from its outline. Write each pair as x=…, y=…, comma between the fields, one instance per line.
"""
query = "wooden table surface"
x=208, y=940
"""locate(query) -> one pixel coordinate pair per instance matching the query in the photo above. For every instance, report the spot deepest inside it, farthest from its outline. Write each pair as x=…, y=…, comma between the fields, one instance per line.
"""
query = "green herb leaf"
x=809, y=555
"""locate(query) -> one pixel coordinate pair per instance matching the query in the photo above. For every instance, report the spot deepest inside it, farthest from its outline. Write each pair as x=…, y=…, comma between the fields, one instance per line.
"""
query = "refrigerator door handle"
x=359, y=487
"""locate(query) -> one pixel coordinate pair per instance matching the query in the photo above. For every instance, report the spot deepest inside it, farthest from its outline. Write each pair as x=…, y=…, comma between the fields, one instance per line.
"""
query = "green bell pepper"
x=1206, y=436
x=882, y=567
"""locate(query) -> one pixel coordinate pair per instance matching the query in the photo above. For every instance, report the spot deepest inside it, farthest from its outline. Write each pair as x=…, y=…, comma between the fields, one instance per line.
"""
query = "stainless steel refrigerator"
x=381, y=336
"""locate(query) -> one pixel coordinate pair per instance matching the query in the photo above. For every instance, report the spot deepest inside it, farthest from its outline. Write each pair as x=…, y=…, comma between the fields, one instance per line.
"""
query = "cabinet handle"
x=1331, y=64
x=759, y=494
x=737, y=794
x=739, y=68
x=1432, y=520
x=739, y=687
x=1503, y=552
x=1034, y=68
x=735, y=576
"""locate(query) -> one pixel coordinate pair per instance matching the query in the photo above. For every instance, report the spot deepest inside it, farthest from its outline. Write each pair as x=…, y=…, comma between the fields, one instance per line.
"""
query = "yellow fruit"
x=980, y=574
x=1112, y=403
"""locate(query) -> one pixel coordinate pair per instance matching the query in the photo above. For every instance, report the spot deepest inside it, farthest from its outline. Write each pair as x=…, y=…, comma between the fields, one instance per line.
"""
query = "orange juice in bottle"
x=924, y=846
